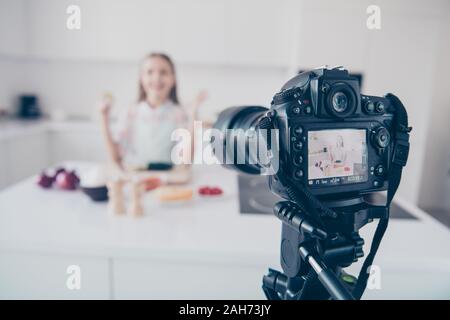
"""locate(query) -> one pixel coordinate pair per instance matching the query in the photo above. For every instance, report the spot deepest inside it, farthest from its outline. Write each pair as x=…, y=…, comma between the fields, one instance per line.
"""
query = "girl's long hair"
x=173, y=96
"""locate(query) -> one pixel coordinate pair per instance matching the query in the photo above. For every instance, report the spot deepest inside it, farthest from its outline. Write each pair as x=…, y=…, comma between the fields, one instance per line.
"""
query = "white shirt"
x=144, y=133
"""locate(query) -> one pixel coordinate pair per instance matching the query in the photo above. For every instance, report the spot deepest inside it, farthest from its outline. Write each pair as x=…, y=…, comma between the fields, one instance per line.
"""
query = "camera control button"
x=325, y=88
x=296, y=110
x=298, y=160
x=382, y=137
x=376, y=183
x=298, y=174
x=380, y=107
x=308, y=110
x=369, y=106
x=379, y=170
x=298, y=130
x=298, y=145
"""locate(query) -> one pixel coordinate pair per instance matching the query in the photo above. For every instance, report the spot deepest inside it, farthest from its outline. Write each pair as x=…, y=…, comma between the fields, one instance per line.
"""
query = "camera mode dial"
x=287, y=95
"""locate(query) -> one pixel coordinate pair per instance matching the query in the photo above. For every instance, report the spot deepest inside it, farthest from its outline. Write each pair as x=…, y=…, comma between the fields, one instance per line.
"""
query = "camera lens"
x=340, y=102
x=236, y=123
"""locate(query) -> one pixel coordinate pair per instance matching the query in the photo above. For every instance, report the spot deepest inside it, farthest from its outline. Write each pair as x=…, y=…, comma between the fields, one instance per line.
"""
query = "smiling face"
x=157, y=79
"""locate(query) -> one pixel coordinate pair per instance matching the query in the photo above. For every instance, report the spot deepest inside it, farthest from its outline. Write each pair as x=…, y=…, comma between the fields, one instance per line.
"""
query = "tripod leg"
x=274, y=285
x=277, y=286
x=327, y=277
x=312, y=288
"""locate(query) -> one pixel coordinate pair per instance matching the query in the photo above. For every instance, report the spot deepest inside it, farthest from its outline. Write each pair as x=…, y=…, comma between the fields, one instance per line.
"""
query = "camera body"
x=333, y=140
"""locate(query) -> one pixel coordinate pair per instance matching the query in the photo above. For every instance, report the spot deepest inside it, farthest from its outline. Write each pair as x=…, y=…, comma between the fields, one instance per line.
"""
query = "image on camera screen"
x=337, y=156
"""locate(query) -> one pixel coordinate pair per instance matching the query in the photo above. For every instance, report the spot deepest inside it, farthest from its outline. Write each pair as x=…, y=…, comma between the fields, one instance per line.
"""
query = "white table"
x=201, y=249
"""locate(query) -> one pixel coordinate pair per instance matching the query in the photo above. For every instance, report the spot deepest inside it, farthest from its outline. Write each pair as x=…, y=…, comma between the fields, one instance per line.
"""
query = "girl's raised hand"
x=106, y=103
x=201, y=97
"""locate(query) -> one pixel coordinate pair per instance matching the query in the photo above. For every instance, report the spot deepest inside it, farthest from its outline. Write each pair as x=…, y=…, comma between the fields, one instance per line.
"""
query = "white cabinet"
x=159, y=279
x=127, y=30
x=49, y=35
x=36, y=276
x=227, y=32
x=76, y=144
x=198, y=32
x=25, y=155
x=30, y=152
x=110, y=30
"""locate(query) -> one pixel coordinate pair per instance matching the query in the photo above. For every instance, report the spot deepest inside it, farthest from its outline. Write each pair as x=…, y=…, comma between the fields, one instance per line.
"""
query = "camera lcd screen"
x=337, y=156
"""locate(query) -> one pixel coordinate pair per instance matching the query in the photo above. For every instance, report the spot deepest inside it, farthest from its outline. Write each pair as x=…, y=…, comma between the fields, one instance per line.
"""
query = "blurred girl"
x=143, y=136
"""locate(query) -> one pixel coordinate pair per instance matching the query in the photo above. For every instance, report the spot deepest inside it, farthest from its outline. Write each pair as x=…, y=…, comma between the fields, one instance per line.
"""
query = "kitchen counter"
x=11, y=128
x=29, y=146
x=207, y=231
x=56, y=221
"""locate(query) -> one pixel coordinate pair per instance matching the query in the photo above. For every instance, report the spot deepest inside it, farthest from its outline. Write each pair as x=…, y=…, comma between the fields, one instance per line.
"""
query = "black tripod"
x=313, y=251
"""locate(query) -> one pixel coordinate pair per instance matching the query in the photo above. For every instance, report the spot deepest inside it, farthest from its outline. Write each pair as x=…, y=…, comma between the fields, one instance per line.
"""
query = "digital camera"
x=323, y=145
x=330, y=138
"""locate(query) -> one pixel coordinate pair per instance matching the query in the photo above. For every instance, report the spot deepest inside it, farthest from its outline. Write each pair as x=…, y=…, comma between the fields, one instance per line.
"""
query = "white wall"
x=435, y=182
x=13, y=27
x=240, y=51
x=12, y=44
x=70, y=70
x=75, y=86
x=401, y=60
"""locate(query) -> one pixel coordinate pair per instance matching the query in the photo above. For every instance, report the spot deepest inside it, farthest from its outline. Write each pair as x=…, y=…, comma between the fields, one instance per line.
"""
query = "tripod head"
x=333, y=242
x=336, y=239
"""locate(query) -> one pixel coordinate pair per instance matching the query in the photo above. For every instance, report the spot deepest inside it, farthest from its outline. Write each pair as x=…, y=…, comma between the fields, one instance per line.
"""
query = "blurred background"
x=239, y=51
